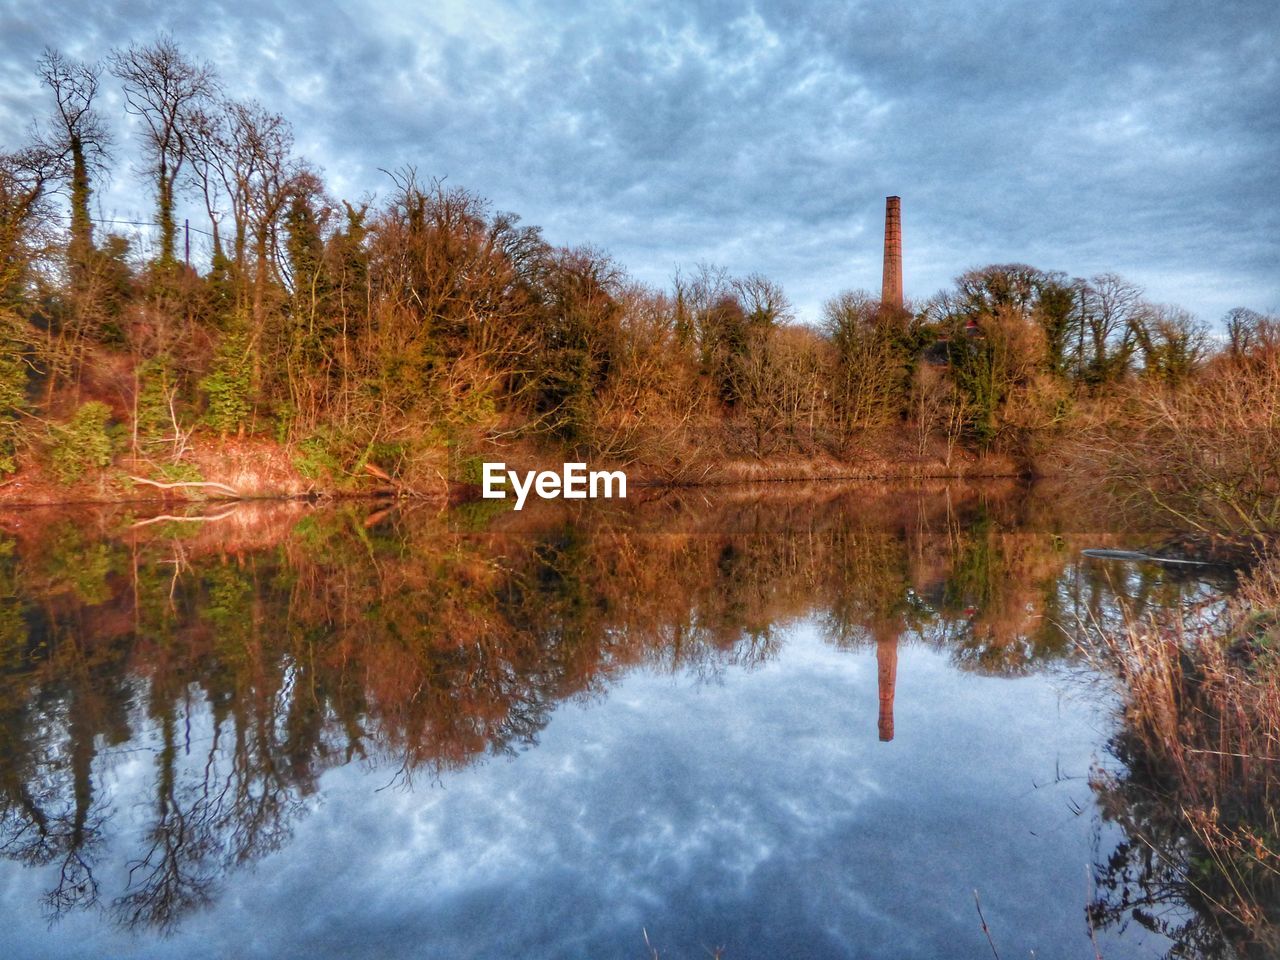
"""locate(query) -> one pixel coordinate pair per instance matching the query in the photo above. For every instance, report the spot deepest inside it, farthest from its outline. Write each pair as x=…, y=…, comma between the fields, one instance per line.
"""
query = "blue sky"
x=1138, y=137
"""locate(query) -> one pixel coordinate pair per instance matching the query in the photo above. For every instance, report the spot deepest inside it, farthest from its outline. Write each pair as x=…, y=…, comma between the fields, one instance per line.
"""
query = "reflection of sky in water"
x=759, y=813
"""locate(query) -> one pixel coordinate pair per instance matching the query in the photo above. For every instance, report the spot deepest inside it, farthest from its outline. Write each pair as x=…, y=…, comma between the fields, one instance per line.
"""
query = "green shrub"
x=474, y=515
x=82, y=443
x=155, y=391
x=390, y=456
x=468, y=469
x=315, y=461
x=13, y=399
x=179, y=472
x=13, y=382
x=228, y=386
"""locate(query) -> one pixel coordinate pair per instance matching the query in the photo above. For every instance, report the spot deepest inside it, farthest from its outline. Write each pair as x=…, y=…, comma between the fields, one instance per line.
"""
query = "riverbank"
x=1200, y=743
x=261, y=468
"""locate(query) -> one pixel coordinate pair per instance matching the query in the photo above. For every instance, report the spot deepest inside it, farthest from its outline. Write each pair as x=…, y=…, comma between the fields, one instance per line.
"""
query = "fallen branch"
x=229, y=491
x=397, y=488
x=168, y=517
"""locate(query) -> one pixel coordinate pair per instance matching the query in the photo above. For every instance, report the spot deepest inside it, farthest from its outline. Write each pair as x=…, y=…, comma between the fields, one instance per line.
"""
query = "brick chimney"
x=891, y=292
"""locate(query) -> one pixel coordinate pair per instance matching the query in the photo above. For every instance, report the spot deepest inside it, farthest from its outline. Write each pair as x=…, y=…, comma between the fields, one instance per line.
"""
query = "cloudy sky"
x=1137, y=136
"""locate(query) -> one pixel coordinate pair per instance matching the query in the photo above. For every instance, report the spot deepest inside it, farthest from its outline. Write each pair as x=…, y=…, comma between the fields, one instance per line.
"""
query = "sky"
x=1134, y=136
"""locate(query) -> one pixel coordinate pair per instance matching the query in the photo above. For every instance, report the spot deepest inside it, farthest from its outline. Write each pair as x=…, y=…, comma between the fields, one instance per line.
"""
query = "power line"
x=131, y=223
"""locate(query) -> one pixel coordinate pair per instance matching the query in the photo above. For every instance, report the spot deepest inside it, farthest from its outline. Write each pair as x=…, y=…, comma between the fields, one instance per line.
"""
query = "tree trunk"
x=80, y=248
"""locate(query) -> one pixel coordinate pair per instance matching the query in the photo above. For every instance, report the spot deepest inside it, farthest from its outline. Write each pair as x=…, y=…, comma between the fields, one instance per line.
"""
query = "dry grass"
x=1202, y=742
x=1205, y=456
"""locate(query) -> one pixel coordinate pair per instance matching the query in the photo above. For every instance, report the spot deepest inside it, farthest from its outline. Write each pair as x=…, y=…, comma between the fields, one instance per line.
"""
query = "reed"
x=1201, y=741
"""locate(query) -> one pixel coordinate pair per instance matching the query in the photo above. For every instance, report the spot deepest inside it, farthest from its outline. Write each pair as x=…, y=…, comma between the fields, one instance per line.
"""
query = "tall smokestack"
x=891, y=292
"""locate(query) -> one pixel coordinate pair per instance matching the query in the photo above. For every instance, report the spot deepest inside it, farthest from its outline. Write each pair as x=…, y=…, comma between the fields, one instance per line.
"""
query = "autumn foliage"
x=418, y=331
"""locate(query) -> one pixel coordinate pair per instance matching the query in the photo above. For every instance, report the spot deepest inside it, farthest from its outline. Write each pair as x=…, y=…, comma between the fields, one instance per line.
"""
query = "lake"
x=747, y=722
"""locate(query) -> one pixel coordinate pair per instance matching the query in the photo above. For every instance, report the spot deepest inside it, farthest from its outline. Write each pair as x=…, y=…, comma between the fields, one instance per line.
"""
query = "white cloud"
x=1138, y=137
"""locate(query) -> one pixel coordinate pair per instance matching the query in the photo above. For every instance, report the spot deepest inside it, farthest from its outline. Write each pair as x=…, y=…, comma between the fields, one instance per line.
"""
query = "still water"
x=843, y=723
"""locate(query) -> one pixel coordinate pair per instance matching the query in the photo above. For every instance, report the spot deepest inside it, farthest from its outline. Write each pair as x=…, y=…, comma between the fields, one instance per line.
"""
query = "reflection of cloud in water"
x=761, y=814
x=709, y=769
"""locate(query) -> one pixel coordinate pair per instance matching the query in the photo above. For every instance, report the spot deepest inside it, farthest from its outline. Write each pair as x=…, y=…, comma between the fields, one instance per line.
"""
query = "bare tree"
x=1173, y=343
x=163, y=88
x=651, y=393
x=869, y=379
x=25, y=178
x=265, y=173
x=1108, y=309
x=241, y=152
x=763, y=301
x=697, y=298
x=937, y=407
x=210, y=175
x=1253, y=338
x=81, y=140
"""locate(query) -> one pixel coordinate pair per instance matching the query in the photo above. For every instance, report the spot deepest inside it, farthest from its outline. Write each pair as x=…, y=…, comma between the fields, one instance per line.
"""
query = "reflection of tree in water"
x=1196, y=792
x=402, y=643
x=1160, y=876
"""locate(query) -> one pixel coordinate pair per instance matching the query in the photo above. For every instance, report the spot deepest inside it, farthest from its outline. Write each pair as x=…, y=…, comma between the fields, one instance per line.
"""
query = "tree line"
x=385, y=331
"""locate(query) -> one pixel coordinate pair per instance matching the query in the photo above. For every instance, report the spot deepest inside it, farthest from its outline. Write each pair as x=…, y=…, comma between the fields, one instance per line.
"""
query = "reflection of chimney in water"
x=886, y=675
x=891, y=289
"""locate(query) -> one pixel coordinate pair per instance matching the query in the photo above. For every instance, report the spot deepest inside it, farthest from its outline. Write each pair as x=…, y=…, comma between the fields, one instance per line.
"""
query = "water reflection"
x=886, y=680
x=215, y=671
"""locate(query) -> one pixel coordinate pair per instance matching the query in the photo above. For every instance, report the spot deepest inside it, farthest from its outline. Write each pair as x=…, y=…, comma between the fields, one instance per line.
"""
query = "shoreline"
x=257, y=469
x=462, y=492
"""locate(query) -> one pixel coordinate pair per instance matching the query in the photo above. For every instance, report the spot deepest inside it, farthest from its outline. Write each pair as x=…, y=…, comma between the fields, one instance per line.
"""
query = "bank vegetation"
x=313, y=343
